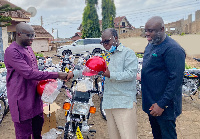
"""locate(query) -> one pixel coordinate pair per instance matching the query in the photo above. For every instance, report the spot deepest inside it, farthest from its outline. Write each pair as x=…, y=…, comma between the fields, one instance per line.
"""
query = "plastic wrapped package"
x=52, y=134
x=84, y=85
x=51, y=90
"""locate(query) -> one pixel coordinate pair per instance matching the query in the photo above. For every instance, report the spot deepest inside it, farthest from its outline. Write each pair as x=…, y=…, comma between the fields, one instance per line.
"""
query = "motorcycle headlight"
x=80, y=108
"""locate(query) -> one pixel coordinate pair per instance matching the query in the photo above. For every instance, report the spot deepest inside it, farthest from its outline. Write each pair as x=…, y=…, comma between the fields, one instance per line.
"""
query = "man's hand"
x=156, y=110
x=62, y=75
x=70, y=75
x=106, y=73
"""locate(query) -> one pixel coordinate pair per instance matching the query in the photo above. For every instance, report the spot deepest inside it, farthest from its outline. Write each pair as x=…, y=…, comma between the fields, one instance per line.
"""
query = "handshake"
x=65, y=76
x=70, y=75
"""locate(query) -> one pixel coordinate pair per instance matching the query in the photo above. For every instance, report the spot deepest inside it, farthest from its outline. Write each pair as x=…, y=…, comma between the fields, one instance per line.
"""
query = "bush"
x=38, y=55
x=139, y=55
x=169, y=34
x=182, y=34
x=187, y=66
x=2, y=65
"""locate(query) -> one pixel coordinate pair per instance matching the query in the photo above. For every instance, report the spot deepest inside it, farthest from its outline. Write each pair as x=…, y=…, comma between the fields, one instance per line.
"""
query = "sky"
x=65, y=16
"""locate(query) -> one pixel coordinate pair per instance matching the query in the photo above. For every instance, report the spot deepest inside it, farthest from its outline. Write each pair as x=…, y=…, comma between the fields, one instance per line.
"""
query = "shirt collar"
x=20, y=46
x=120, y=47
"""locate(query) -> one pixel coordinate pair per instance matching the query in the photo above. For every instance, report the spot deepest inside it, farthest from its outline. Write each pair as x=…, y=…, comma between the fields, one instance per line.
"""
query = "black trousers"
x=163, y=128
x=25, y=129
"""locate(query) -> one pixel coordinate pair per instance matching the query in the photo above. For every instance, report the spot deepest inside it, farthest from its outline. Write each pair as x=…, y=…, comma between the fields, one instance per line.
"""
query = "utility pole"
x=41, y=21
x=119, y=27
x=1, y=46
x=57, y=33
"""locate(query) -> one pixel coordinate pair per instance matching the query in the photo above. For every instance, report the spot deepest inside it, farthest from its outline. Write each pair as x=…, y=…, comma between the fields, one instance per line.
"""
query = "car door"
x=88, y=46
x=80, y=47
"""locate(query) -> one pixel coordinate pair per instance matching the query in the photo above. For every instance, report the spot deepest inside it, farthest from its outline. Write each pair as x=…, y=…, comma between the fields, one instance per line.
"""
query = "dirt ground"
x=188, y=123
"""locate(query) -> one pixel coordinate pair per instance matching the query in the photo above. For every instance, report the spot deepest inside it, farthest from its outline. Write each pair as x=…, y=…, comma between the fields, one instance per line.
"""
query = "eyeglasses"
x=105, y=42
x=28, y=35
x=151, y=30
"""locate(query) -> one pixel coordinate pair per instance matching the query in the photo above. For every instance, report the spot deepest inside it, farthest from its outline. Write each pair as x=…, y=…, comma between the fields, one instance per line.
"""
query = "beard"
x=26, y=42
x=156, y=39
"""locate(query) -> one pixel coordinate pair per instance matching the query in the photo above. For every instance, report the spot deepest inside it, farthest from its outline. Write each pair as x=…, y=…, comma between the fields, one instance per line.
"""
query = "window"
x=92, y=41
x=11, y=37
x=80, y=42
x=123, y=24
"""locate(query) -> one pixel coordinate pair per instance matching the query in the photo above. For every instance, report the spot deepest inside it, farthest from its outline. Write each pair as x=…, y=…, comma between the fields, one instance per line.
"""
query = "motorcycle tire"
x=103, y=113
x=2, y=109
x=7, y=109
x=66, y=131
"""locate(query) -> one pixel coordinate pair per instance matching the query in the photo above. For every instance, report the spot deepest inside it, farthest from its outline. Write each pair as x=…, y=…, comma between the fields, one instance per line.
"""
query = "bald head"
x=24, y=27
x=154, y=30
x=157, y=21
x=25, y=34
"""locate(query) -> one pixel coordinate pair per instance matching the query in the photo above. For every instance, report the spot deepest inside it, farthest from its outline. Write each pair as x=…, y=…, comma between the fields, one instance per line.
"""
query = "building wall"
x=40, y=45
x=12, y=28
x=197, y=15
x=5, y=38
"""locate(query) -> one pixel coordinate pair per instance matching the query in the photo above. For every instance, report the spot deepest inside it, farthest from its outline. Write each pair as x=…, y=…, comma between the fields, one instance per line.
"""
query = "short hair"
x=112, y=31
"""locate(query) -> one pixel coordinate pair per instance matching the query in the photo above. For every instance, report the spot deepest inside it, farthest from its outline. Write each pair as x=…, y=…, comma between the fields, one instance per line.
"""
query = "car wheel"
x=65, y=52
x=97, y=51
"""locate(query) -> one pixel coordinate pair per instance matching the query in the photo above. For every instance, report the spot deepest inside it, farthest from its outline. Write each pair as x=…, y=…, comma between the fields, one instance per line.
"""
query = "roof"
x=76, y=36
x=19, y=15
x=117, y=20
x=40, y=32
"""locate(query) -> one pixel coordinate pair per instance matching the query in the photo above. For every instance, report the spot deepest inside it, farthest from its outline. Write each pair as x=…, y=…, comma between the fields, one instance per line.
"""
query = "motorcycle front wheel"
x=2, y=109
x=66, y=136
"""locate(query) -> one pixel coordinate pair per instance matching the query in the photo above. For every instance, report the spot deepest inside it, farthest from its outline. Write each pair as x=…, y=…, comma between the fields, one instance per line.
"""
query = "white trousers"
x=122, y=123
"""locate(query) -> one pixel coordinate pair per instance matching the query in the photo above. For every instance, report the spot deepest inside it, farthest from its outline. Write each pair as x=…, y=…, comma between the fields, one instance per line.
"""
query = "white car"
x=81, y=46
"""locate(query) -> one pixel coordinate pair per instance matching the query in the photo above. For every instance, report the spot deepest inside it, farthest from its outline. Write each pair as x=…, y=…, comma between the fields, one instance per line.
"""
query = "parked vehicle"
x=78, y=108
x=81, y=46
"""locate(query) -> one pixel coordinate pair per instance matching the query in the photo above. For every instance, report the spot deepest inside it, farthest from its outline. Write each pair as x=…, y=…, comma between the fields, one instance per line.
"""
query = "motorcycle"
x=67, y=63
x=4, y=106
x=41, y=63
x=78, y=107
x=191, y=83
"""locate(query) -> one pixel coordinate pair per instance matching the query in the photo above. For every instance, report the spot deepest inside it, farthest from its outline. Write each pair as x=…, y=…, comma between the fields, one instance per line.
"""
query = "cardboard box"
x=49, y=117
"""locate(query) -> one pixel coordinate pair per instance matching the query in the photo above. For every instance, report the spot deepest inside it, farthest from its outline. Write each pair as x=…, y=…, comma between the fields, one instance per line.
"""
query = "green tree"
x=108, y=14
x=90, y=23
x=7, y=21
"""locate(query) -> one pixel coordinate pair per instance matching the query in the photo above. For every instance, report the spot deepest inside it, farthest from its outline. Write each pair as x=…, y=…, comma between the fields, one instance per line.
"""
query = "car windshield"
x=80, y=42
